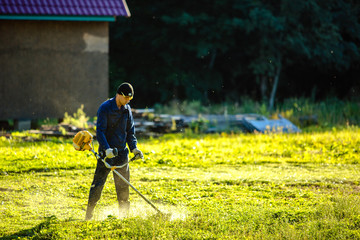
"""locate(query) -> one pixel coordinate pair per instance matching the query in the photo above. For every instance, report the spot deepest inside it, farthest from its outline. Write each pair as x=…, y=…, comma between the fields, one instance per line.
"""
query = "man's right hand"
x=109, y=153
x=137, y=154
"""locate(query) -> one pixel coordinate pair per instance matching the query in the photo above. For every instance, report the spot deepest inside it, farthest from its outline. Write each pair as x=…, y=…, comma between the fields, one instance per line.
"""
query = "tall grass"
x=328, y=113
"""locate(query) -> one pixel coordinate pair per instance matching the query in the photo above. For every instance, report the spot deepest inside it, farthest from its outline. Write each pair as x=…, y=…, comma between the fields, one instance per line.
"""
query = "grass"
x=224, y=186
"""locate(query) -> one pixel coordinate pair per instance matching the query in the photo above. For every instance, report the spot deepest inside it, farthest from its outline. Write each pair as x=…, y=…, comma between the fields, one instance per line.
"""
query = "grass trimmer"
x=83, y=140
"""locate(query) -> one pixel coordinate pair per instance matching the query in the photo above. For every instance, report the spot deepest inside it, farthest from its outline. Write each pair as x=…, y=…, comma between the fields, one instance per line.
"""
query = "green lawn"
x=237, y=186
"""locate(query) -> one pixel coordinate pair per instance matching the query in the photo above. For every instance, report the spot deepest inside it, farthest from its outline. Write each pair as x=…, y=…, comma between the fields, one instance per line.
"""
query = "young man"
x=114, y=129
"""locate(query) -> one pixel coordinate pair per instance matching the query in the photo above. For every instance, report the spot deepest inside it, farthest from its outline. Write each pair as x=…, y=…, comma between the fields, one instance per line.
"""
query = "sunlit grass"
x=234, y=186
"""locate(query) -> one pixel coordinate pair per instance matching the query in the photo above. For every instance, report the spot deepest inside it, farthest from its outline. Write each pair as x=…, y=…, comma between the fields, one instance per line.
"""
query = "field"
x=223, y=186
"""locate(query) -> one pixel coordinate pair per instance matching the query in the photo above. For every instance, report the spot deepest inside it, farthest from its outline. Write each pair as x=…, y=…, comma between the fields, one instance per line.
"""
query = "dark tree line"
x=222, y=50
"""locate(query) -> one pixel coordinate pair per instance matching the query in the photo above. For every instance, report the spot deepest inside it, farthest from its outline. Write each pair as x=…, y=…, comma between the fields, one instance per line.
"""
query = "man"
x=115, y=127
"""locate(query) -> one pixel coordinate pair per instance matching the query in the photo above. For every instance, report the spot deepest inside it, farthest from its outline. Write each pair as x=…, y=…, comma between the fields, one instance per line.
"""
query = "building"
x=54, y=56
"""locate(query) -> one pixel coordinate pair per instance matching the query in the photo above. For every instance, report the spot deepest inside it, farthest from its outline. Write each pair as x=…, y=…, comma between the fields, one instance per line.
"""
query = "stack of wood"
x=147, y=123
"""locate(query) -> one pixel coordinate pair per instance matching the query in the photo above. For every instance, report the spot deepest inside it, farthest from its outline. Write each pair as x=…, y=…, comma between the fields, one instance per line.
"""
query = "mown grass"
x=225, y=186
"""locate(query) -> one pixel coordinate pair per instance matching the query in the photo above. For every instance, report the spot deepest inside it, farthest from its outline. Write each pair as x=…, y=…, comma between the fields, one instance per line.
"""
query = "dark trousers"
x=122, y=189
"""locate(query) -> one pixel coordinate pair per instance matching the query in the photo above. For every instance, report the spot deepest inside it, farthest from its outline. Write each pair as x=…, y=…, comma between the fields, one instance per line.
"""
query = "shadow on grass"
x=44, y=170
x=35, y=232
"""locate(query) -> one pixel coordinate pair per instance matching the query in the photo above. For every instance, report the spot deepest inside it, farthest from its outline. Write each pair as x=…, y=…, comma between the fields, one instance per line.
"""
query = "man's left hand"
x=137, y=154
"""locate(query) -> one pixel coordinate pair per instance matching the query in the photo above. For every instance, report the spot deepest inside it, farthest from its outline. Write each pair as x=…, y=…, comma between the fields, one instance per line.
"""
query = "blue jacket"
x=115, y=127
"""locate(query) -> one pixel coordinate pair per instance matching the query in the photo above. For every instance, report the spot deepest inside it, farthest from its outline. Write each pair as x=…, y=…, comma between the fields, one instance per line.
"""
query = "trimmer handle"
x=134, y=158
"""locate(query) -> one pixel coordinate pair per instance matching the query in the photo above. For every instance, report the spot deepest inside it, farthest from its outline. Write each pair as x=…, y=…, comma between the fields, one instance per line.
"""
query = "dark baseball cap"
x=126, y=90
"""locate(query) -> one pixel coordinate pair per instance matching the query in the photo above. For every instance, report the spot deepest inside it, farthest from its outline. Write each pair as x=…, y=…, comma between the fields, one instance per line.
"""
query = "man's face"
x=123, y=100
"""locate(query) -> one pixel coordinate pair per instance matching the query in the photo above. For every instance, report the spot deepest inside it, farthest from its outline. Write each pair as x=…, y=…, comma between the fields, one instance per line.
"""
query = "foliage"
x=78, y=119
x=214, y=51
x=224, y=186
x=326, y=114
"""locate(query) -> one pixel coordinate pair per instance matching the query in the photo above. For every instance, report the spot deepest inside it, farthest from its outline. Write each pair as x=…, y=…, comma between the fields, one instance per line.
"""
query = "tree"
x=212, y=50
x=285, y=32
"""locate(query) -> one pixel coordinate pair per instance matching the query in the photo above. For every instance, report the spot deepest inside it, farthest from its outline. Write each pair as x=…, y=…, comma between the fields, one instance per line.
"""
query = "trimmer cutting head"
x=164, y=216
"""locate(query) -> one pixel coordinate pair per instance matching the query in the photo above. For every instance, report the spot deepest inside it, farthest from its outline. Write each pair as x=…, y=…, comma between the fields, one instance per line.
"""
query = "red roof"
x=65, y=7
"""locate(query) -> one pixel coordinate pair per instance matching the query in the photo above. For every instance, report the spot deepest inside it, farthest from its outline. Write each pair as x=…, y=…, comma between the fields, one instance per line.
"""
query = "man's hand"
x=109, y=153
x=137, y=154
